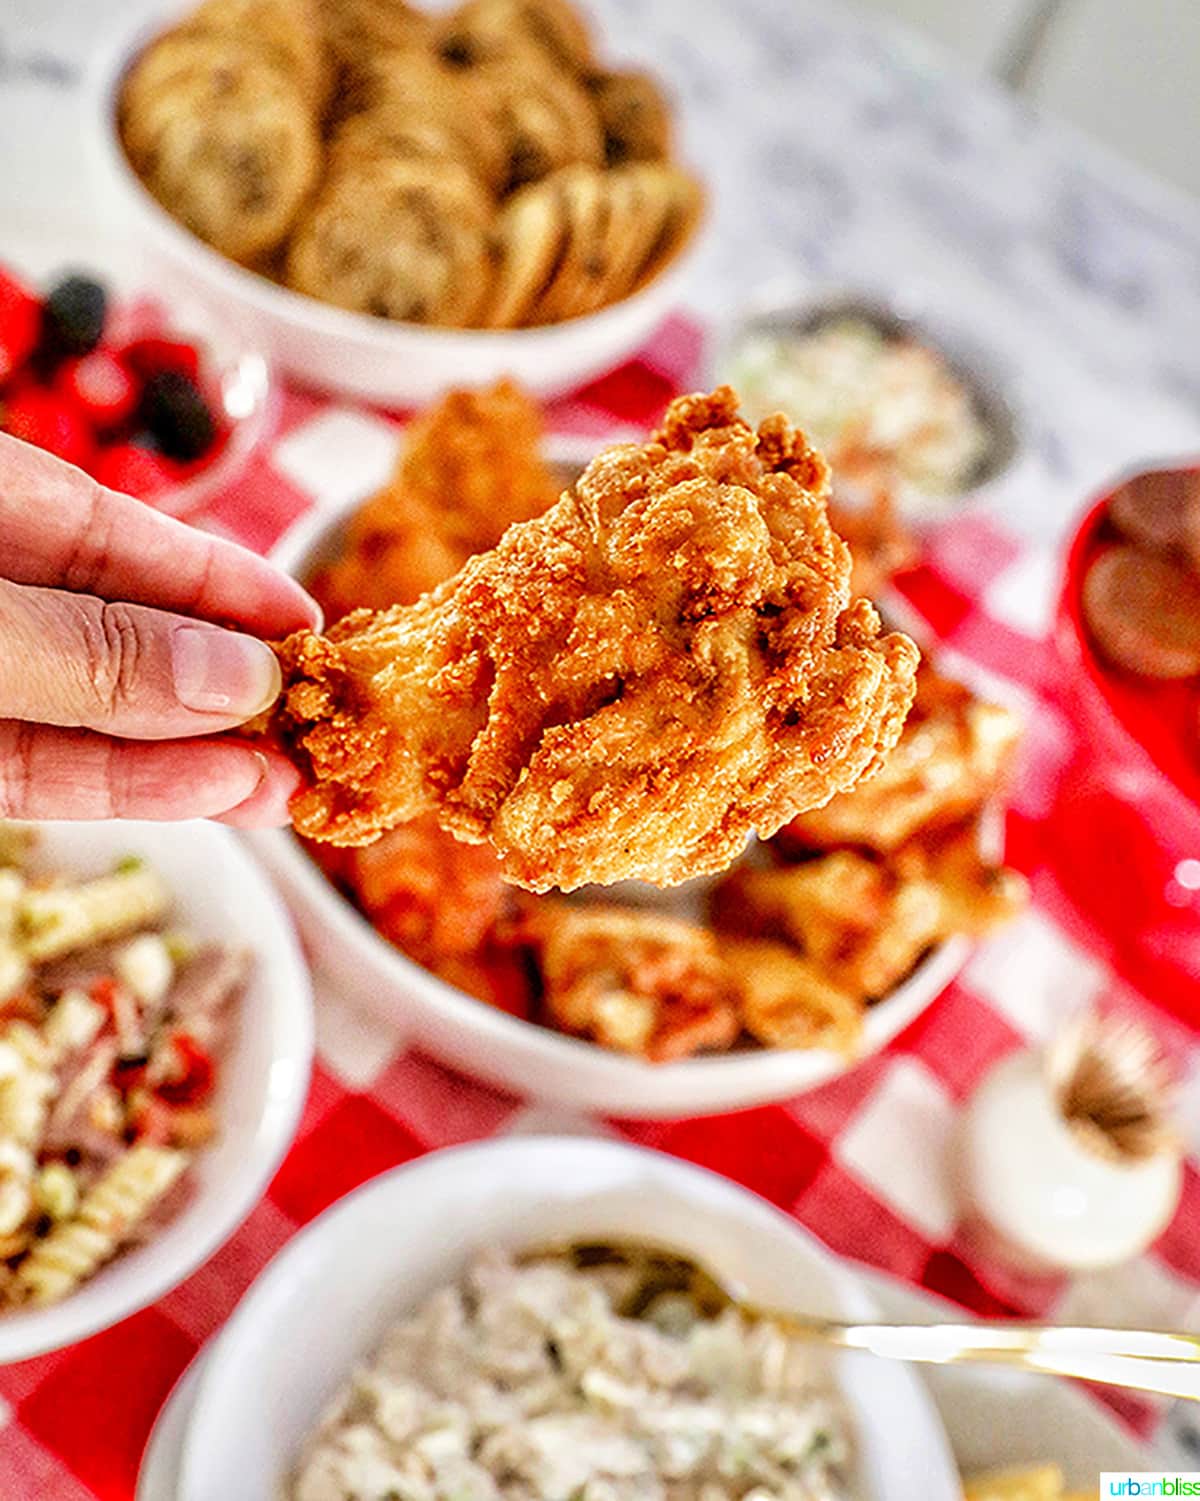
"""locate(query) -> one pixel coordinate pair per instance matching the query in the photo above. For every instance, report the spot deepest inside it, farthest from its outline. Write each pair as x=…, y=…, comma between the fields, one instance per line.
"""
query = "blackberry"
x=73, y=317
x=177, y=415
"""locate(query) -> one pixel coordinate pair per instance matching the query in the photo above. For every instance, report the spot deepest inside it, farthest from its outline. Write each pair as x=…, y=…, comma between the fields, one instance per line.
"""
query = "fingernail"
x=222, y=672
x=317, y=614
x=267, y=806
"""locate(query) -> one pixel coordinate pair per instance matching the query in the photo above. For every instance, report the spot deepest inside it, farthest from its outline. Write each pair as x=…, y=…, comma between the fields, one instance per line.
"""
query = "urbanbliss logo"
x=1143, y=1483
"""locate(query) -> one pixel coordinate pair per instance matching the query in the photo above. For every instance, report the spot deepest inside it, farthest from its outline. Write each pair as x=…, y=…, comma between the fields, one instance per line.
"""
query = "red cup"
x=1124, y=835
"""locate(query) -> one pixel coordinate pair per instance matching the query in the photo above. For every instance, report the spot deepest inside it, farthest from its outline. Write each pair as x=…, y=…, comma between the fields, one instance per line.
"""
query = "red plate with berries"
x=140, y=399
x=1127, y=818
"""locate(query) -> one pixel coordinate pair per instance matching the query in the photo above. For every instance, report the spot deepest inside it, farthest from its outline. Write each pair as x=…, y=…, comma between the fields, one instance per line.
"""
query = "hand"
x=113, y=672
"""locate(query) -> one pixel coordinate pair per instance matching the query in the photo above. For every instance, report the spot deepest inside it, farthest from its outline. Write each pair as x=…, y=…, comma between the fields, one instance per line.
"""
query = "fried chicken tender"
x=951, y=757
x=632, y=980
x=470, y=466
x=625, y=687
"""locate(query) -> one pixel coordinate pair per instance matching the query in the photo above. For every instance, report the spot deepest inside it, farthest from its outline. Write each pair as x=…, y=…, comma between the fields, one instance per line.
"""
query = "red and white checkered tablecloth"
x=861, y=1162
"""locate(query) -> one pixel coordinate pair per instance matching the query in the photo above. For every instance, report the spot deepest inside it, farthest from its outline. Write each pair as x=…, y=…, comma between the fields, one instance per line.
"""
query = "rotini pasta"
x=106, y=1067
x=14, y=966
x=72, y=1025
x=26, y=1083
x=16, y=1188
x=117, y=1203
x=56, y=920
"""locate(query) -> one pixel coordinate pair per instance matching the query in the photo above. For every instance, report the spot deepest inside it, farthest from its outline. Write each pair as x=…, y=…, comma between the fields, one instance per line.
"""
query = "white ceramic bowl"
x=220, y=895
x=522, y=1056
x=336, y=1288
x=351, y=353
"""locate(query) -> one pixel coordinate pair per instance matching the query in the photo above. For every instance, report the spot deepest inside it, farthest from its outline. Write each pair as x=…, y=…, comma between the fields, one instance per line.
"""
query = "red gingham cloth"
x=861, y=1162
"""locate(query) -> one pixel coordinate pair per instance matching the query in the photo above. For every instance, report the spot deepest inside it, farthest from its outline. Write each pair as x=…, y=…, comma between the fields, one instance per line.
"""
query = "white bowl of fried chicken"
x=389, y=201
x=659, y=995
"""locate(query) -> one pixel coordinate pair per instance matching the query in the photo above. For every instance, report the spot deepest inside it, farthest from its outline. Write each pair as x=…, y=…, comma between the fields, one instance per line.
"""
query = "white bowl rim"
x=26, y=1333
x=102, y=86
x=238, y=1337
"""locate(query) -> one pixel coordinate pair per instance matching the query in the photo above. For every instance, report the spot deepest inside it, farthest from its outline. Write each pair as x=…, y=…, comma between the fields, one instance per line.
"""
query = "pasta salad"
x=111, y=1029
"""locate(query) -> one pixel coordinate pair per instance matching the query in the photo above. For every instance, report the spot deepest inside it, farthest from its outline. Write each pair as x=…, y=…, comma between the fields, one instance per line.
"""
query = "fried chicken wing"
x=951, y=757
x=823, y=906
x=632, y=980
x=469, y=468
x=976, y=895
x=624, y=687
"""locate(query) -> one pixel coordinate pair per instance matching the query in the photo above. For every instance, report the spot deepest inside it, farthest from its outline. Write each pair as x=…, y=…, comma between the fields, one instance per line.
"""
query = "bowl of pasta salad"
x=155, y=1048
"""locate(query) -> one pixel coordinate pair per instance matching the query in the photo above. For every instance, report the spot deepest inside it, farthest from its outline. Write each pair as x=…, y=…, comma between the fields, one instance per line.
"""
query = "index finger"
x=61, y=529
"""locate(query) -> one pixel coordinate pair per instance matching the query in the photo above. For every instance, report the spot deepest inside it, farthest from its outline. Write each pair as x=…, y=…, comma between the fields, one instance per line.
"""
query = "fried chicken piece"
x=914, y=920
x=632, y=980
x=863, y=922
x=786, y=1001
x=950, y=759
x=852, y=920
x=625, y=687
x=977, y=896
x=470, y=466
x=439, y=901
x=825, y=907
x=880, y=544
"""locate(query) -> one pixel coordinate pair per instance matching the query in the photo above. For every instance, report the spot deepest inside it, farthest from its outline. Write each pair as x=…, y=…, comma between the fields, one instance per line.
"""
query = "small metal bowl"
x=785, y=310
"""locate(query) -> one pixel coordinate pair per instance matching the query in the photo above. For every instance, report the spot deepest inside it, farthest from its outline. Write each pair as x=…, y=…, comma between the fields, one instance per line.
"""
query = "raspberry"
x=101, y=387
x=177, y=415
x=20, y=324
x=146, y=357
x=43, y=418
x=73, y=317
x=133, y=470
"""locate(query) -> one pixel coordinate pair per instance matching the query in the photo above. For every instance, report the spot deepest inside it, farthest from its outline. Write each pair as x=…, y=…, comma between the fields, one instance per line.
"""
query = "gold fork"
x=1144, y=1360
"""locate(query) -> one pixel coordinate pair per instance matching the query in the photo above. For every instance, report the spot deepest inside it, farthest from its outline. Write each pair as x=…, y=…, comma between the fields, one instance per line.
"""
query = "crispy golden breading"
x=786, y=1001
x=951, y=758
x=439, y=901
x=863, y=922
x=824, y=906
x=625, y=687
x=470, y=467
x=632, y=980
x=976, y=895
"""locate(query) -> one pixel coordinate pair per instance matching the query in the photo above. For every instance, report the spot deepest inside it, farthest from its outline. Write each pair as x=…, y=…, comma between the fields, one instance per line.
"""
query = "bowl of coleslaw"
x=896, y=400
x=156, y=1042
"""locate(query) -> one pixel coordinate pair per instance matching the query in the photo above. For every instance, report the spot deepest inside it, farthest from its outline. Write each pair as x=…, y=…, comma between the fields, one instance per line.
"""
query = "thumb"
x=77, y=661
